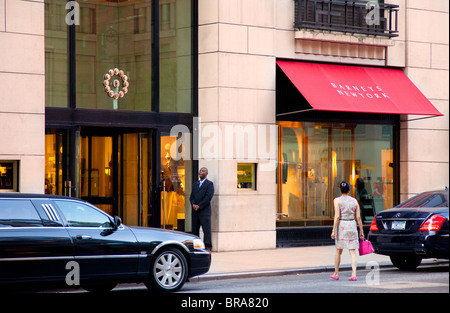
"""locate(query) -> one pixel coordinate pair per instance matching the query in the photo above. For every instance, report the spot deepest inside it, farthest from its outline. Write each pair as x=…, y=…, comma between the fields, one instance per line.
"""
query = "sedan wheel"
x=407, y=263
x=168, y=271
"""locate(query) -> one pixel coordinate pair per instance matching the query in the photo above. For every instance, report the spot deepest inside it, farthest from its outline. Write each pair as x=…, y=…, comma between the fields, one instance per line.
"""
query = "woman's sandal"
x=334, y=277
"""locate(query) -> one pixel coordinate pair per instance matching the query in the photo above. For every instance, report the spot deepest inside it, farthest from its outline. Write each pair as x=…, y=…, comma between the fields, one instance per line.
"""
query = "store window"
x=315, y=157
x=246, y=176
x=176, y=180
x=9, y=176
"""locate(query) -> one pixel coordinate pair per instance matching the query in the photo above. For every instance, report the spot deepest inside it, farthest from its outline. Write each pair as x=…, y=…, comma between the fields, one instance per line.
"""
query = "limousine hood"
x=153, y=237
x=162, y=232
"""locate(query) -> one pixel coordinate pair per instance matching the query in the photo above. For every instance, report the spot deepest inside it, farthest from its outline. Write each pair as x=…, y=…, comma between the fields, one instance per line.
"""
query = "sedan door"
x=101, y=250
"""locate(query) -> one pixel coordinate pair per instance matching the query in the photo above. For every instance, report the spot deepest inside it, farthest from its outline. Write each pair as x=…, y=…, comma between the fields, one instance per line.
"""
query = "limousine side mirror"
x=117, y=222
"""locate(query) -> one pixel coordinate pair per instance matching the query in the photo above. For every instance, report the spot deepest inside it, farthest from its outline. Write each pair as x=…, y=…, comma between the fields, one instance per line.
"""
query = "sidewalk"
x=281, y=261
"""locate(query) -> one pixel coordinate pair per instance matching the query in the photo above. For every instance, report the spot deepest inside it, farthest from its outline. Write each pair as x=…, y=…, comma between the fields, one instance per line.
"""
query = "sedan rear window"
x=18, y=213
x=426, y=200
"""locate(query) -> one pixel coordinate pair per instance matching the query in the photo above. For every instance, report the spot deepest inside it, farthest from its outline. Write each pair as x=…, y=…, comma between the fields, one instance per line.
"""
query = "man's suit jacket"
x=202, y=196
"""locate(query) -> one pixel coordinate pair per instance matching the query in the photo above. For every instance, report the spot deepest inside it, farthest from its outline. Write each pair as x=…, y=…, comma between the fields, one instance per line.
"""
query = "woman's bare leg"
x=337, y=262
x=354, y=264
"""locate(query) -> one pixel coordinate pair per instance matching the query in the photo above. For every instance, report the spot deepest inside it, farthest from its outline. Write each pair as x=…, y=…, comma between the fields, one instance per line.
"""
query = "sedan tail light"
x=434, y=223
x=373, y=226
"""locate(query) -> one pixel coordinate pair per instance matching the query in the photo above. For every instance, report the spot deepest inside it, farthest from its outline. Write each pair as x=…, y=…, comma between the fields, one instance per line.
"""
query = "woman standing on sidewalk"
x=344, y=232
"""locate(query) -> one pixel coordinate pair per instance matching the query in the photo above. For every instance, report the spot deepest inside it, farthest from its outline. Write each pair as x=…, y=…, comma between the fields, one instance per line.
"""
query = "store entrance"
x=115, y=173
x=110, y=168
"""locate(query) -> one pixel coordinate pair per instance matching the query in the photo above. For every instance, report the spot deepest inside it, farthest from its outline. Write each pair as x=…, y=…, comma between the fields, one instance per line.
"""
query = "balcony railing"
x=355, y=17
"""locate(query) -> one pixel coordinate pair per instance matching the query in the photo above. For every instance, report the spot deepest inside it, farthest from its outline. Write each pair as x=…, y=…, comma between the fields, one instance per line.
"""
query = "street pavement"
x=283, y=261
x=274, y=262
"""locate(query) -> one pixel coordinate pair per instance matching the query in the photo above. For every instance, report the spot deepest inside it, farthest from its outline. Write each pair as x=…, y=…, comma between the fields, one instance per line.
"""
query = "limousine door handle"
x=84, y=237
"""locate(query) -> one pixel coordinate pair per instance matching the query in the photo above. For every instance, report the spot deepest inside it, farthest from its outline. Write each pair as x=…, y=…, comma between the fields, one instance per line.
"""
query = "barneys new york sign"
x=362, y=92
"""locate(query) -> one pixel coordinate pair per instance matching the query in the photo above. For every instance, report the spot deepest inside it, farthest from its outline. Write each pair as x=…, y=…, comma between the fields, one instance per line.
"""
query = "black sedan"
x=413, y=230
x=51, y=239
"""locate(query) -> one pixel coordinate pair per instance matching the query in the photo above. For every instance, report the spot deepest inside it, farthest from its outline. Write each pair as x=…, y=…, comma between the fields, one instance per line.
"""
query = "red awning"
x=357, y=89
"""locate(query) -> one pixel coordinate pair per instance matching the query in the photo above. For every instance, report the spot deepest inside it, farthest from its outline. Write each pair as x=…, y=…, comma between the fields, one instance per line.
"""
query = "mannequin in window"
x=172, y=186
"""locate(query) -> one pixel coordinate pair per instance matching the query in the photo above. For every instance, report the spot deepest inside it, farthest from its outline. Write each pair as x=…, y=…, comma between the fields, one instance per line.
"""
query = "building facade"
x=241, y=86
x=120, y=103
x=22, y=108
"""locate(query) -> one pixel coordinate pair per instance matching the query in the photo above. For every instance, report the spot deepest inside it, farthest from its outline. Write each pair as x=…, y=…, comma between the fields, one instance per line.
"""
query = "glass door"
x=99, y=170
x=135, y=153
x=115, y=172
x=56, y=162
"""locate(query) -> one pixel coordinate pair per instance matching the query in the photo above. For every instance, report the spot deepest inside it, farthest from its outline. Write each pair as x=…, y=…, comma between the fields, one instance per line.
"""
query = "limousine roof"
x=19, y=195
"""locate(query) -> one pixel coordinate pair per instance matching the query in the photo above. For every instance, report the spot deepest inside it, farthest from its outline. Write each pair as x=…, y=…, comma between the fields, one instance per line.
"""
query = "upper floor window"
x=361, y=17
x=119, y=55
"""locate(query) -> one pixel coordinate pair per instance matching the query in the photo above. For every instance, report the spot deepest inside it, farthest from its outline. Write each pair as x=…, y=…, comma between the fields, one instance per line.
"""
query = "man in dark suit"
x=201, y=195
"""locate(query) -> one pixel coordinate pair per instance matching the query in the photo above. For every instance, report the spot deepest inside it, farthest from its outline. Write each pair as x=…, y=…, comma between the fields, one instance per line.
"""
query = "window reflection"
x=114, y=34
x=118, y=34
x=81, y=215
x=175, y=56
x=56, y=83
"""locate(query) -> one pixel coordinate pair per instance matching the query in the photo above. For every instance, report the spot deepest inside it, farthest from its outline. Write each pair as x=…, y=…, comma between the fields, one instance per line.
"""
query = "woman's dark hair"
x=344, y=186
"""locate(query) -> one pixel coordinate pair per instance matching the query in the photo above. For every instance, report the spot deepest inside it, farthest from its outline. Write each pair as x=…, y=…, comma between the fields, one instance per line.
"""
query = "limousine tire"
x=168, y=270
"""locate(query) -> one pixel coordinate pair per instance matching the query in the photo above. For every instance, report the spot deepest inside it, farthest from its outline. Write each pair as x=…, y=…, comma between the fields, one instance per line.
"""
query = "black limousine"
x=53, y=239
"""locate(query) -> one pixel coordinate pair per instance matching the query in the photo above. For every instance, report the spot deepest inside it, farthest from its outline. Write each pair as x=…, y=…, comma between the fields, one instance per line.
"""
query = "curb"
x=299, y=271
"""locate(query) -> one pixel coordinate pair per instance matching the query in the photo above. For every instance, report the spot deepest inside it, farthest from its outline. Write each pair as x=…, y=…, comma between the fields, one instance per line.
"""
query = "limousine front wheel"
x=168, y=270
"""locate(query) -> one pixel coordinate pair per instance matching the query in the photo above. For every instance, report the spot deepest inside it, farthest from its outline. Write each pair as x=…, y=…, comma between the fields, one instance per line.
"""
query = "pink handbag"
x=365, y=247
